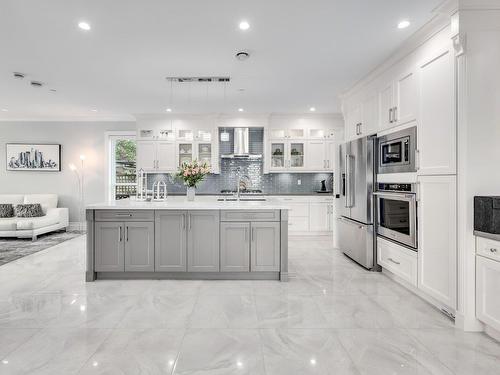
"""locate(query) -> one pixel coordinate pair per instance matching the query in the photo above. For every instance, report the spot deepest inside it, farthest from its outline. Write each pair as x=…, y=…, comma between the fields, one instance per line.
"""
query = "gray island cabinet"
x=147, y=240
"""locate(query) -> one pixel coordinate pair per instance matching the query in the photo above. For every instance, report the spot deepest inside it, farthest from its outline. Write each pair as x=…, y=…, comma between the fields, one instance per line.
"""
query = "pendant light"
x=224, y=135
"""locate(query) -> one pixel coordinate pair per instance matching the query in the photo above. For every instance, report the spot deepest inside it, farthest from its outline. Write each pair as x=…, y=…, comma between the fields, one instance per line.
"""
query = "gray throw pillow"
x=6, y=210
x=29, y=210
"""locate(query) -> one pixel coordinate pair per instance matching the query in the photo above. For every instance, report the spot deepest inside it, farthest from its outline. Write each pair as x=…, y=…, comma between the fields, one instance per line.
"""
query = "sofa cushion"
x=8, y=224
x=12, y=198
x=46, y=200
x=6, y=210
x=29, y=210
x=28, y=223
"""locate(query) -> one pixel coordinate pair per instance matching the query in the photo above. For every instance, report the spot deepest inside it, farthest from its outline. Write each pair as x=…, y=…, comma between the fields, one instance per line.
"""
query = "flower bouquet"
x=192, y=173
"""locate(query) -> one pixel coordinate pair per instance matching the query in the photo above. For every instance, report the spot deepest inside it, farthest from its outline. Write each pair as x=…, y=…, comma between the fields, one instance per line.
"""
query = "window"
x=122, y=166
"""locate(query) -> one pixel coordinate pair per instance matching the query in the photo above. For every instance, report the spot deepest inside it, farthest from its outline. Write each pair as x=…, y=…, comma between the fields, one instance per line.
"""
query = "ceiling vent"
x=242, y=55
x=214, y=79
x=18, y=75
x=36, y=83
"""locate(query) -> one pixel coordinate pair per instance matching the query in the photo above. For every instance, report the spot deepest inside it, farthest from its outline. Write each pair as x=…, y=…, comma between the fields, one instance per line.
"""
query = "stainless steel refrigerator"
x=355, y=227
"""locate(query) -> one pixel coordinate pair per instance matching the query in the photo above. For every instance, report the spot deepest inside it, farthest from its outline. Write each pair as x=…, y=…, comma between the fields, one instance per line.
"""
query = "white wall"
x=76, y=138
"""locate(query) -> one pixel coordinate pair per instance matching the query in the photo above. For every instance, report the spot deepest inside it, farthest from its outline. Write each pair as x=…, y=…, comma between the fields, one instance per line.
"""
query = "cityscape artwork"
x=33, y=157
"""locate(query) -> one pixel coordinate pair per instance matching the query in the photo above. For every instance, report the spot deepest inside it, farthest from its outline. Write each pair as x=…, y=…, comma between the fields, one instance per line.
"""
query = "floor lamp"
x=81, y=198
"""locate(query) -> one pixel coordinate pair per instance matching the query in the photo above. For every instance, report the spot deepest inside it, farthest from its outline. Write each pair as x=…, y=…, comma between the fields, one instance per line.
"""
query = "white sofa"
x=30, y=227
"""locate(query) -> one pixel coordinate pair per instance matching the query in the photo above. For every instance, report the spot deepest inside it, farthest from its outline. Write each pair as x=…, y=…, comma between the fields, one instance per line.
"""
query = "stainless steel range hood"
x=241, y=149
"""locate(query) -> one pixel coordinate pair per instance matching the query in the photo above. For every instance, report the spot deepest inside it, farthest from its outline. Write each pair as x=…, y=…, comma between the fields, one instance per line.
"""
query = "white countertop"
x=181, y=203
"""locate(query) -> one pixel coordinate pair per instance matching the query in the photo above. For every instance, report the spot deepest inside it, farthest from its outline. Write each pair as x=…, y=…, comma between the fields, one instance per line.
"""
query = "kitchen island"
x=177, y=239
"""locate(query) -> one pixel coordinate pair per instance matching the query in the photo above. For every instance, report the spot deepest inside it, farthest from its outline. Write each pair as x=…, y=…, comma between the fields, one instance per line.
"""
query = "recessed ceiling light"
x=240, y=109
x=169, y=110
x=312, y=109
x=403, y=24
x=84, y=26
x=94, y=110
x=244, y=25
x=5, y=110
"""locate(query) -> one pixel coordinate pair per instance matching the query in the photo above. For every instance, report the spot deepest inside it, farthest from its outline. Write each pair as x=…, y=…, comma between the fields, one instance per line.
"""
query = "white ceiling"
x=304, y=53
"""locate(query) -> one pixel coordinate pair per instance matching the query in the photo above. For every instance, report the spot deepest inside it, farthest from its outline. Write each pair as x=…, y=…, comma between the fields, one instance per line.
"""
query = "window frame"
x=110, y=138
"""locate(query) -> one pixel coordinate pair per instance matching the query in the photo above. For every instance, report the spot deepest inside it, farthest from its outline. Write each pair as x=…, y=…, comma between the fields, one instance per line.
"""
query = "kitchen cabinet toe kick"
x=187, y=244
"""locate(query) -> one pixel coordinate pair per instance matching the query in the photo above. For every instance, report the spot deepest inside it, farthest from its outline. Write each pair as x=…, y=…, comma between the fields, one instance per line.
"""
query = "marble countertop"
x=181, y=203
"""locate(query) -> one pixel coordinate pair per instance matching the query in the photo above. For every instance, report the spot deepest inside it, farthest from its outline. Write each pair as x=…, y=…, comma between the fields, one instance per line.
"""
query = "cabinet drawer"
x=488, y=248
x=397, y=259
x=249, y=215
x=298, y=209
x=298, y=224
x=124, y=215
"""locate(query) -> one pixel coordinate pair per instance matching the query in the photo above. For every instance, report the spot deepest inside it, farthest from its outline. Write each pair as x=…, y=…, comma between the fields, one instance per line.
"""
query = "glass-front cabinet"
x=287, y=155
x=185, y=151
x=189, y=151
x=205, y=153
x=293, y=133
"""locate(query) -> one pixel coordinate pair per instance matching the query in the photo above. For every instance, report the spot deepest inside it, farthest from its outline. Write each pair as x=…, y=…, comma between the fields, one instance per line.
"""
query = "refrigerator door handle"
x=349, y=182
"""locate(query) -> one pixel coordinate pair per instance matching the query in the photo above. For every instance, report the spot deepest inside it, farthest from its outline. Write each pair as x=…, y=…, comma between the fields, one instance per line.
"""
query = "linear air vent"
x=198, y=79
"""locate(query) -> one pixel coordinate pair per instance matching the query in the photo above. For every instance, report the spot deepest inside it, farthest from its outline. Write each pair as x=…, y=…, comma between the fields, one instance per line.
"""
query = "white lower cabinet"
x=487, y=290
x=309, y=214
x=437, y=248
x=397, y=259
x=319, y=220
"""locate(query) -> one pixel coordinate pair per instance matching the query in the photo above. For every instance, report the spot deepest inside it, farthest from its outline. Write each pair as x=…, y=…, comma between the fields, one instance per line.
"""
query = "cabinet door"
x=170, y=241
x=235, y=247
x=166, y=156
x=331, y=156
x=353, y=119
x=296, y=155
x=204, y=154
x=109, y=247
x=386, y=95
x=369, y=115
x=139, y=246
x=278, y=159
x=437, y=238
x=487, y=287
x=185, y=152
x=316, y=156
x=265, y=246
x=436, y=133
x=318, y=217
x=406, y=102
x=146, y=155
x=203, y=241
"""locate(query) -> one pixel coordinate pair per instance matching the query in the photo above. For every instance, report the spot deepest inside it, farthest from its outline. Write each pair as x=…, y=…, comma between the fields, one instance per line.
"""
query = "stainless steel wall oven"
x=397, y=213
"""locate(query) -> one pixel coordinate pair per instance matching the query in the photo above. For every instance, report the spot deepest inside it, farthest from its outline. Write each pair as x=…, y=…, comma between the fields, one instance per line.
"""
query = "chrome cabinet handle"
x=390, y=115
x=395, y=112
x=183, y=221
x=189, y=221
x=126, y=233
x=246, y=234
x=123, y=215
x=393, y=261
x=493, y=250
x=119, y=234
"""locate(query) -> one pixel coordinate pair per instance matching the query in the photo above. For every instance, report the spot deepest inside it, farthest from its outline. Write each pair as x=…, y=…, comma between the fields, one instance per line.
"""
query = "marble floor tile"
x=353, y=312
x=149, y=351
x=465, y=353
x=305, y=351
x=12, y=338
x=412, y=312
x=159, y=312
x=389, y=351
x=224, y=312
x=54, y=351
x=289, y=311
x=221, y=352
x=332, y=317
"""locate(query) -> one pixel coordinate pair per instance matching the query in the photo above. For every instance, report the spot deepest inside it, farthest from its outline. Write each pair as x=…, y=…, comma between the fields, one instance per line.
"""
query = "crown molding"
x=478, y=4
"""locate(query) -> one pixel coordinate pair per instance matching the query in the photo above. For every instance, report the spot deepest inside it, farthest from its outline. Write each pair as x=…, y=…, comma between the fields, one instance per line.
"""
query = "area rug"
x=15, y=248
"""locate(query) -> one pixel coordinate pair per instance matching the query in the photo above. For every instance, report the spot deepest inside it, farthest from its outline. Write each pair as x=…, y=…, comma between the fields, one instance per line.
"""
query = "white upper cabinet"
x=156, y=156
x=165, y=155
x=317, y=155
x=369, y=117
x=437, y=129
x=287, y=155
x=282, y=133
x=146, y=155
x=398, y=99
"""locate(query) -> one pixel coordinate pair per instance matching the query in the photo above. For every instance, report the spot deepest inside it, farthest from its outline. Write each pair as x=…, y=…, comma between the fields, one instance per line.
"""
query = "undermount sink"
x=245, y=199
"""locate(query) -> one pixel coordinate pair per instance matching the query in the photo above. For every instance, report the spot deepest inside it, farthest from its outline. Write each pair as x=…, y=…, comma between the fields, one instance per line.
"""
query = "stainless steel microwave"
x=397, y=151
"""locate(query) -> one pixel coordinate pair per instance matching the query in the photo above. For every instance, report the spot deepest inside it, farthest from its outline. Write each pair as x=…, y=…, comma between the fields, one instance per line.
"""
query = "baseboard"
x=468, y=324
x=492, y=332
x=77, y=226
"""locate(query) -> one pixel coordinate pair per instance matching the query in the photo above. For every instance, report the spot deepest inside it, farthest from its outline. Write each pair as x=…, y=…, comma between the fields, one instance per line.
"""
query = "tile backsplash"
x=273, y=183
